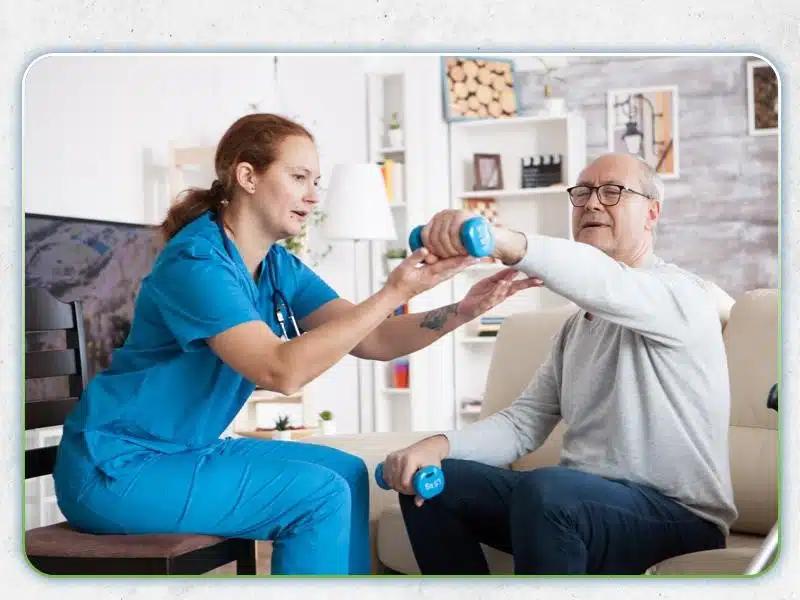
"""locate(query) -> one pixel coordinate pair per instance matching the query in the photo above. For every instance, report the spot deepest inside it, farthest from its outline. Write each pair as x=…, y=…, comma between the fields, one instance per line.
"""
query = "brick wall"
x=720, y=217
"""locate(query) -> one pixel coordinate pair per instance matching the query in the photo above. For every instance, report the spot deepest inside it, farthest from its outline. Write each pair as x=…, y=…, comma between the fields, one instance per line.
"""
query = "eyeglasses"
x=608, y=194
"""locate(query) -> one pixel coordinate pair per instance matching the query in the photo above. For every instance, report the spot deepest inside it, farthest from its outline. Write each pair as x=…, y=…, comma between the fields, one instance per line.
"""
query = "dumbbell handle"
x=428, y=481
x=476, y=236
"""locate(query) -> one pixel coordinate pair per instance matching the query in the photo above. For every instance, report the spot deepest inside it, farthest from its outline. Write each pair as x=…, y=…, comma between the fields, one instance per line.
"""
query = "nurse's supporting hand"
x=421, y=271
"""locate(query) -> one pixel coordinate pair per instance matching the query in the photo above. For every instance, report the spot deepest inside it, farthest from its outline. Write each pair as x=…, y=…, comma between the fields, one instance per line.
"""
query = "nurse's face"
x=286, y=193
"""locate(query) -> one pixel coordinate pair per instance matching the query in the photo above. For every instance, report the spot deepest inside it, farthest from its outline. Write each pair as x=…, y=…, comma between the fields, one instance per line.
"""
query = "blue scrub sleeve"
x=311, y=291
x=200, y=294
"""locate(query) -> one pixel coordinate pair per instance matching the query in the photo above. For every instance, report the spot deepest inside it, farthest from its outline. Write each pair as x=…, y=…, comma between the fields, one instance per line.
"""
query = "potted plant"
x=299, y=245
x=554, y=105
x=327, y=423
x=395, y=133
x=394, y=256
x=282, y=429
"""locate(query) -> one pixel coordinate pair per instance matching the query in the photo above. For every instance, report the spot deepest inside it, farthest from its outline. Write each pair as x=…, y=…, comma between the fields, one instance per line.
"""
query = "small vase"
x=395, y=138
x=555, y=107
x=393, y=263
x=285, y=436
x=328, y=427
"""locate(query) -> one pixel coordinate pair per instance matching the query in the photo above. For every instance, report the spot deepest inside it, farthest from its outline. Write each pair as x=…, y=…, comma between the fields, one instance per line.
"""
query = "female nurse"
x=222, y=311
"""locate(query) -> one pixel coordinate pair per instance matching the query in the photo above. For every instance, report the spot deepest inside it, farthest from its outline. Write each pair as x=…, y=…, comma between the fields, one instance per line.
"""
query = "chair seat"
x=60, y=540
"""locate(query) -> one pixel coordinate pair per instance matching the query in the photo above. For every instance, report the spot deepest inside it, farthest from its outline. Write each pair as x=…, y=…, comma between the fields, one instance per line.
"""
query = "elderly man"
x=639, y=377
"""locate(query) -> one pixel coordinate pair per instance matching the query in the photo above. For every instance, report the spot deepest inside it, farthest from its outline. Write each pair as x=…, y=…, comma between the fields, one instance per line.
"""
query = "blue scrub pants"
x=312, y=501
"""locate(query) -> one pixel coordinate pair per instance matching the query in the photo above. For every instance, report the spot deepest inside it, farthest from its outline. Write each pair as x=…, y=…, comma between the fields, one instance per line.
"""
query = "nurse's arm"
x=398, y=335
x=253, y=350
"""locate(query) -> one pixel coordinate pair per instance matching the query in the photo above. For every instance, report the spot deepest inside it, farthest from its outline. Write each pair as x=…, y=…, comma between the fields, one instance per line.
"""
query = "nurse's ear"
x=246, y=177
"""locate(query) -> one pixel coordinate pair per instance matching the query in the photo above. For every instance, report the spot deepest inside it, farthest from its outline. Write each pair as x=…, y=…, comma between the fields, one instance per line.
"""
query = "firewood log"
x=457, y=73
x=485, y=76
x=508, y=101
x=484, y=94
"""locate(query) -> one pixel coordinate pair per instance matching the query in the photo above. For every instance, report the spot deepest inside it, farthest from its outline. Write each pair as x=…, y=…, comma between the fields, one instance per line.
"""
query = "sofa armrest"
x=372, y=448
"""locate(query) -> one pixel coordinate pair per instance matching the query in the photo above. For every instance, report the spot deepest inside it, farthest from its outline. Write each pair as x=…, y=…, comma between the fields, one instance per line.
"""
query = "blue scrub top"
x=166, y=390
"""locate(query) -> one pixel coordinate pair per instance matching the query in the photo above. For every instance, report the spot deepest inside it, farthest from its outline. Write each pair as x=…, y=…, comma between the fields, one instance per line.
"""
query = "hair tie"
x=217, y=190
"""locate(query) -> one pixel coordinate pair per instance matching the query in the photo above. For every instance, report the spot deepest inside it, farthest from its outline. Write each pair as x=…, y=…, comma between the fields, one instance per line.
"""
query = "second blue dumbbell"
x=476, y=236
x=428, y=481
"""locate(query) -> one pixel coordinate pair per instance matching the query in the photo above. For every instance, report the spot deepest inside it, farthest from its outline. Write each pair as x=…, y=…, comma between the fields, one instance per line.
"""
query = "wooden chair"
x=59, y=549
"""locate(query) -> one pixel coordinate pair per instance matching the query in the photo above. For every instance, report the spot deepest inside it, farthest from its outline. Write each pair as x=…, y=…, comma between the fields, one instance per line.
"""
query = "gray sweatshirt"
x=642, y=385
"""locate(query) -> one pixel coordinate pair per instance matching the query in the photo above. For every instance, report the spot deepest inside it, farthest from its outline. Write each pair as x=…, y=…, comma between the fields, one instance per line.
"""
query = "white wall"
x=88, y=119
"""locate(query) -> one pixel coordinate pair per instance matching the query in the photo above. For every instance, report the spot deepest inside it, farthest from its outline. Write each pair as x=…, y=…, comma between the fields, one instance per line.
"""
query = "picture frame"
x=479, y=87
x=763, y=98
x=488, y=172
x=644, y=121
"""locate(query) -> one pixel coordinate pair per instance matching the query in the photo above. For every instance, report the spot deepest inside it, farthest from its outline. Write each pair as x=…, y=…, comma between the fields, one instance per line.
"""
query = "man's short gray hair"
x=652, y=183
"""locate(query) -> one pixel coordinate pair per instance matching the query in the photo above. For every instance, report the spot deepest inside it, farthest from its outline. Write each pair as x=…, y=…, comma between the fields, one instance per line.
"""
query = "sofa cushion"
x=754, y=473
x=732, y=560
x=529, y=335
x=394, y=548
x=394, y=551
x=752, y=346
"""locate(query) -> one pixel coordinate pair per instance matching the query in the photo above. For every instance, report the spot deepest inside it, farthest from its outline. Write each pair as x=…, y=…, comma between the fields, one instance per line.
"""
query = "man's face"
x=623, y=230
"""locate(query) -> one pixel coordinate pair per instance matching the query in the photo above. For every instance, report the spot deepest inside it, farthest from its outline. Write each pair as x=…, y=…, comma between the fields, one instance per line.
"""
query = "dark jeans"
x=553, y=520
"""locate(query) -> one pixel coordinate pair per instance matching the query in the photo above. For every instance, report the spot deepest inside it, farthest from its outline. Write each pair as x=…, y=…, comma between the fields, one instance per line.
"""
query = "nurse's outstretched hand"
x=421, y=271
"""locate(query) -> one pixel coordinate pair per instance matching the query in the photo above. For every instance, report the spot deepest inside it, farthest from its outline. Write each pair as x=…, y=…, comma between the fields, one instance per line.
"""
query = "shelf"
x=396, y=391
x=268, y=397
x=397, y=205
x=485, y=268
x=540, y=191
x=510, y=121
x=474, y=339
x=390, y=150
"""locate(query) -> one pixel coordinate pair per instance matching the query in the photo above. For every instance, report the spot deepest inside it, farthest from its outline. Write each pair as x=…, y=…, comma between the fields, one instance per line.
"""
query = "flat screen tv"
x=101, y=263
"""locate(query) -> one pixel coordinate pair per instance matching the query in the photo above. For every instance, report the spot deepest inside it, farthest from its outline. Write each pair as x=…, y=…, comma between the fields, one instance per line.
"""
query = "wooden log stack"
x=480, y=88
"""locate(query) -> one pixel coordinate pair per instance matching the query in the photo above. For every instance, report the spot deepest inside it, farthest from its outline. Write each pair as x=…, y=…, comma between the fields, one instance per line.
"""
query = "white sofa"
x=750, y=329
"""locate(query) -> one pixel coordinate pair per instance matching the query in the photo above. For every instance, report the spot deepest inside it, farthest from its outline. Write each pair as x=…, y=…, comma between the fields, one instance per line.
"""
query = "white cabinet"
x=41, y=508
x=545, y=210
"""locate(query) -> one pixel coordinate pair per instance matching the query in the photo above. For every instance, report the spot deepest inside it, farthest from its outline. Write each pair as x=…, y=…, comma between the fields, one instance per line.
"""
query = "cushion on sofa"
x=733, y=560
x=753, y=346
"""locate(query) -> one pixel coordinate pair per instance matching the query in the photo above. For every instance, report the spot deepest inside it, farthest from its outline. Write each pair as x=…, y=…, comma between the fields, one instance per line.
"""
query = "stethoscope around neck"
x=277, y=296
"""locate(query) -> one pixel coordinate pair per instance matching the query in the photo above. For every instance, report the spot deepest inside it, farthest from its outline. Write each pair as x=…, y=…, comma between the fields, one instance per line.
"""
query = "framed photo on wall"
x=763, y=98
x=644, y=121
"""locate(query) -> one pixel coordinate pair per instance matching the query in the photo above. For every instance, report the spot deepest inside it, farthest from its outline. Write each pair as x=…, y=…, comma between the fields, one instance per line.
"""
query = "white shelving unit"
x=544, y=210
x=399, y=85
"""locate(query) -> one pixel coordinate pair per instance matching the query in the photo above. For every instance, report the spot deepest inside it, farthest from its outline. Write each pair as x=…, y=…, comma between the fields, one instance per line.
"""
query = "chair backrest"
x=45, y=314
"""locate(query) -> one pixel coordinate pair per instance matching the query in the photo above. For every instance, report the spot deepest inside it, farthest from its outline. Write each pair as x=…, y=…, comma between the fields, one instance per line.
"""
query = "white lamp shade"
x=356, y=204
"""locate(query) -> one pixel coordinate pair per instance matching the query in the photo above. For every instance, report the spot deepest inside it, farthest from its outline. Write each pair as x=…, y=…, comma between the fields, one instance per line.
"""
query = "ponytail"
x=194, y=203
x=253, y=138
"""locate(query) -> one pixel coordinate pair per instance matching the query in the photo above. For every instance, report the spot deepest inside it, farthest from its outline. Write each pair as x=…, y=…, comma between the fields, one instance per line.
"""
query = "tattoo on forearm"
x=436, y=318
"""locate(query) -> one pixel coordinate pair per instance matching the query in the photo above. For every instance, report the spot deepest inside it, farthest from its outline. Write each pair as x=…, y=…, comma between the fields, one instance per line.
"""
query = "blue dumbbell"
x=427, y=482
x=476, y=235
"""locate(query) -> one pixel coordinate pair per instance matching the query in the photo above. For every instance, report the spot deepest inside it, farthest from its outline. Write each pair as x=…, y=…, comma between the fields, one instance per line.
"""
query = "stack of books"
x=489, y=326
